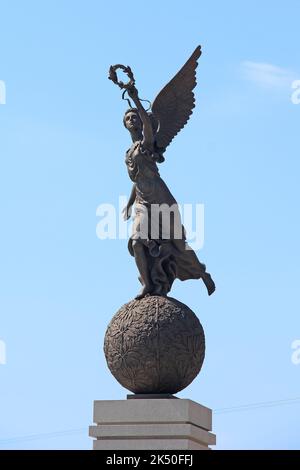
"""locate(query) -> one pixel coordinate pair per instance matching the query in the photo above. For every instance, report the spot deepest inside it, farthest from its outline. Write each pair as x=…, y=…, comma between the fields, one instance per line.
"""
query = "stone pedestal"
x=151, y=424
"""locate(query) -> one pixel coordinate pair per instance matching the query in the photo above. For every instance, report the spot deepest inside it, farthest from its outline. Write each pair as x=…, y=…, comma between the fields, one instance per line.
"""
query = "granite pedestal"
x=151, y=424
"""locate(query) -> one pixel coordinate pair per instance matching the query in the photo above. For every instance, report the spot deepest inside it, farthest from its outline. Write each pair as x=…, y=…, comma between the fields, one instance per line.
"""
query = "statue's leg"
x=141, y=260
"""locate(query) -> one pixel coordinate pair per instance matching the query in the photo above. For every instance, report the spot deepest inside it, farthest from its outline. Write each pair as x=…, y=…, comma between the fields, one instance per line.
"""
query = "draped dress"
x=157, y=224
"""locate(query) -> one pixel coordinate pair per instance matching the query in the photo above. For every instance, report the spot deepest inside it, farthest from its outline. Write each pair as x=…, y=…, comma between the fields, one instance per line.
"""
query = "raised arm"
x=148, y=137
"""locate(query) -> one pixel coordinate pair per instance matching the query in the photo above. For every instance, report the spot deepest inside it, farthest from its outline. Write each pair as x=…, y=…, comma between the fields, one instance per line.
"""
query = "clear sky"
x=62, y=145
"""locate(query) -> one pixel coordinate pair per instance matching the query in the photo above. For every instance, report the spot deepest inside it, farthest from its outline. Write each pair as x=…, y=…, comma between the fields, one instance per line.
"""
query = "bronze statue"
x=155, y=344
x=158, y=244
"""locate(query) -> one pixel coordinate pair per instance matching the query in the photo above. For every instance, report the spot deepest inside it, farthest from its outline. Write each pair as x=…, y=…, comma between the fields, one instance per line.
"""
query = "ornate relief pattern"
x=154, y=345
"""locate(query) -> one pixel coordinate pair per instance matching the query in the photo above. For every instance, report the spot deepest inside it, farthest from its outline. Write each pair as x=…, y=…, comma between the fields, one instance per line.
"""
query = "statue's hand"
x=127, y=211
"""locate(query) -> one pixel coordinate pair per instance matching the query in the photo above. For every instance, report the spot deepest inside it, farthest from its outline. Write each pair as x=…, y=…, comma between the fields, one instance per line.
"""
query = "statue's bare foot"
x=147, y=290
x=209, y=283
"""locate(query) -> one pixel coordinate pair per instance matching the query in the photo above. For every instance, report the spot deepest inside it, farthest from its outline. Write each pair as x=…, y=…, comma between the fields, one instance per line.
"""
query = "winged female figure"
x=158, y=241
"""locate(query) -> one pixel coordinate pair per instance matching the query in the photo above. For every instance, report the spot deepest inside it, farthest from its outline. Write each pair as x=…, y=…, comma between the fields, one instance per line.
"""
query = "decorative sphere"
x=154, y=345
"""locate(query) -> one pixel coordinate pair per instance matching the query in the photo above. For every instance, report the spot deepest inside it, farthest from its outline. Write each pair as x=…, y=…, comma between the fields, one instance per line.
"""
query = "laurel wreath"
x=114, y=77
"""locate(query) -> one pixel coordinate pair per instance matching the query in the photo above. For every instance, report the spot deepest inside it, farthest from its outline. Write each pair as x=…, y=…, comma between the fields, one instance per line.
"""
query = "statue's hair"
x=158, y=152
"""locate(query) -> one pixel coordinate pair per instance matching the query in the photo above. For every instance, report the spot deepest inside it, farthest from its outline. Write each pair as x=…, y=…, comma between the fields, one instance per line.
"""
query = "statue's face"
x=133, y=121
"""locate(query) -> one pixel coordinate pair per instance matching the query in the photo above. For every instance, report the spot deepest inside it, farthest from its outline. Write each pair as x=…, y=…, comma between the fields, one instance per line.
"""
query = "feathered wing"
x=174, y=104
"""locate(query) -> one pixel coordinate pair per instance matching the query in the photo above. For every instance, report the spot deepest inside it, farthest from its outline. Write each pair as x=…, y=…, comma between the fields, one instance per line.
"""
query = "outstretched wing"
x=174, y=104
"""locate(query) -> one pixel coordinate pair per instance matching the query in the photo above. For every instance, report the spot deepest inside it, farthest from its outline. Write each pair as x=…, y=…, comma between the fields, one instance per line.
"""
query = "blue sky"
x=62, y=145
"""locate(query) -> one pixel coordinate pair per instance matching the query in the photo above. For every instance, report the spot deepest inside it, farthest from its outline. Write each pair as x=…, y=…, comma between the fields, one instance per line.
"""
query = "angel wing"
x=174, y=104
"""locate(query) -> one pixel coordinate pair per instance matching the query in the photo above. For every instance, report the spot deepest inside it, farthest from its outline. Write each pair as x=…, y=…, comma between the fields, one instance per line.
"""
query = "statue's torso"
x=143, y=171
x=140, y=163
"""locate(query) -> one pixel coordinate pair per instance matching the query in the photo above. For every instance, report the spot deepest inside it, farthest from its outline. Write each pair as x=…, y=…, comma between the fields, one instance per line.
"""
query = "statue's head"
x=132, y=120
x=134, y=125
